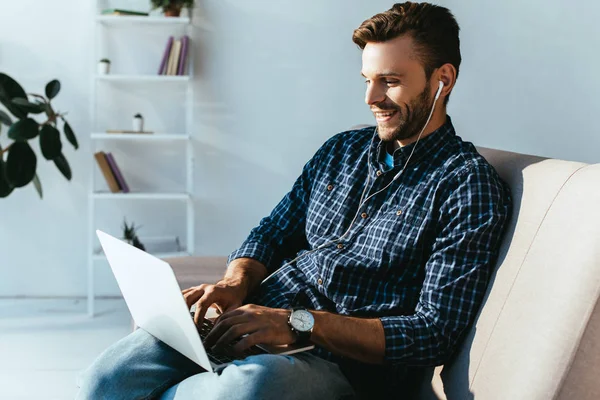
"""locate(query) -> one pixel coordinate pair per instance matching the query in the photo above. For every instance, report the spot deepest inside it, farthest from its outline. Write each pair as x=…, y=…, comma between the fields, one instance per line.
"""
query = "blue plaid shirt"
x=418, y=256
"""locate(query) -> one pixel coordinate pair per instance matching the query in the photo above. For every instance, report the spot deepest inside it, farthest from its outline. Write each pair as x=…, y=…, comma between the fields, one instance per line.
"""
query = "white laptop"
x=157, y=305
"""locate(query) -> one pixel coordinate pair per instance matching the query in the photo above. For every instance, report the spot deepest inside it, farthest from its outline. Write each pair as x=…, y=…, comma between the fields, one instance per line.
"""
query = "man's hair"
x=433, y=29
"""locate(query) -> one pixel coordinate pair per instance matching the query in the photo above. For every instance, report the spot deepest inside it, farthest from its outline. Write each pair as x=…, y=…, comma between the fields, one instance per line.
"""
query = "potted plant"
x=172, y=8
x=130, y=235
x=138, y=123
x=18, y=161
x=104, y=66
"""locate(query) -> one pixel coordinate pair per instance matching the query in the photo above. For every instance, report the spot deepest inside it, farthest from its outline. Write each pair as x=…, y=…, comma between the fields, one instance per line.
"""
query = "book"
x=120, y=11
x=117, y=173
x=171, y=59
x=163, y=63
x=184, y=52
x=100, y=157
x=175, y=54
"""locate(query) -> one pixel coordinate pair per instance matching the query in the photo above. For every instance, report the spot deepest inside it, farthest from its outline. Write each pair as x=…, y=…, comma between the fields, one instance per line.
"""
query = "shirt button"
x=320, y=281
x=340, y=246
x=330, y=187
x=399, y=212
x=364, y=215
x=379, y=173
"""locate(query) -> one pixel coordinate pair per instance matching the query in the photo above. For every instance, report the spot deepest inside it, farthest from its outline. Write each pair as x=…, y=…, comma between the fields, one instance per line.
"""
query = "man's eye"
x=367, y=81
x=391, y=82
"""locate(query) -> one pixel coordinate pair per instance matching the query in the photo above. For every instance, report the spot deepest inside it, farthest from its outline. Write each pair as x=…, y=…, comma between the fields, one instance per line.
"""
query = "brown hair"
x=433, y=28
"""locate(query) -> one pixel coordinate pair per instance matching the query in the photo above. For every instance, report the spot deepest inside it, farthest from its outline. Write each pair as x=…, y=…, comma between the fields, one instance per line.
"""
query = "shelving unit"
x=166, y=139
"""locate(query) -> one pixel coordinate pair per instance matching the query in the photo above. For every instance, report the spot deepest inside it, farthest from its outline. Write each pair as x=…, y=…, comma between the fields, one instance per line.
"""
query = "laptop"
x=157, y=305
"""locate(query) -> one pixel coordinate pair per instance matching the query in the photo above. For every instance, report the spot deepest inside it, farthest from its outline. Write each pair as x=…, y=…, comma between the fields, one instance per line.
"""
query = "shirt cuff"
x=399, y=338
x=254, y=250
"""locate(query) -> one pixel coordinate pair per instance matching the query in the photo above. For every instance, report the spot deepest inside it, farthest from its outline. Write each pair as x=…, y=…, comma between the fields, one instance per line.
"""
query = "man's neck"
x=437, y=120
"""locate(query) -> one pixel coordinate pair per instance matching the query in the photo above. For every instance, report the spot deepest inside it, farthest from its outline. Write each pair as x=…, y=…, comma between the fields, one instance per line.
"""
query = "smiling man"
x=380, y=254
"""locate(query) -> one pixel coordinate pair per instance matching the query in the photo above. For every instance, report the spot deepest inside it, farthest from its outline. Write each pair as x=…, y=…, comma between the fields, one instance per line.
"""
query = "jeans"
x=140, y=366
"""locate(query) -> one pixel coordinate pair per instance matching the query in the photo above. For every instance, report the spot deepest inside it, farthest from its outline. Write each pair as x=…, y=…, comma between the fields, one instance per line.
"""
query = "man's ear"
x=447, y=74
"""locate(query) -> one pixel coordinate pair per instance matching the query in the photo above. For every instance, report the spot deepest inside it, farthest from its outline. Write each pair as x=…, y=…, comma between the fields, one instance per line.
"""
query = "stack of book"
x=175, y=56
x=120, y=11
x=112, y=173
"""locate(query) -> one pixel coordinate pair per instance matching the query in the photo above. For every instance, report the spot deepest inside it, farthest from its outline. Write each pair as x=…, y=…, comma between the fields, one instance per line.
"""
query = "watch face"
x=302, y=320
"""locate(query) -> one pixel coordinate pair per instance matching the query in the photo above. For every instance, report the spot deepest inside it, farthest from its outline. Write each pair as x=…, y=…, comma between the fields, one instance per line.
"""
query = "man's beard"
x=412, y=118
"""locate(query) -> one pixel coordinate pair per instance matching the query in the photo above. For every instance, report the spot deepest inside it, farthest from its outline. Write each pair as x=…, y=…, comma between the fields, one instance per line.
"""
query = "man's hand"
x=224, y=296
x=262, y=325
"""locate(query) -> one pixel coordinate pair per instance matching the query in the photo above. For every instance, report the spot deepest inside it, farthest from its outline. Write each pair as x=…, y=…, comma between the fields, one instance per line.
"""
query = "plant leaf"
x=52, y=89
x=5, y=187
x=63, y=165
x=50, y=142
x=33, y=108
x=70, y=135
x=10, y=89
x=5, y=118
x=38, y=186
x=20, y=164
x=23, y=130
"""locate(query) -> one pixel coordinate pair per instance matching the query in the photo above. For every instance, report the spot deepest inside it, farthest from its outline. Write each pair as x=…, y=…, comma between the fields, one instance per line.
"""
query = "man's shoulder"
x=356, y=138
x=463, y=157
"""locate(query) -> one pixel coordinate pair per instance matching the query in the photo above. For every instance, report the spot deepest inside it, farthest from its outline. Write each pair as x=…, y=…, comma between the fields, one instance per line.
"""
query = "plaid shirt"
x=418, y=256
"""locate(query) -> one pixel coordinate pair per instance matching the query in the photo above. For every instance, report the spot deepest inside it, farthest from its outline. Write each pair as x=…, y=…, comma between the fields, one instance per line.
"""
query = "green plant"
x=130, y=234
x=105, y=60
x=165, y=4
x=20, y=166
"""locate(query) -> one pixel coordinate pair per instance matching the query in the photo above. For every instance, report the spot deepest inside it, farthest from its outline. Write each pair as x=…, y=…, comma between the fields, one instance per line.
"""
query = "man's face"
x=397, y=90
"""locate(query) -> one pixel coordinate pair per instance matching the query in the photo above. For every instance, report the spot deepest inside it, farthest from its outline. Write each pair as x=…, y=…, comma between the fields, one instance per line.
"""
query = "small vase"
x=172, y=11
x=138, y=124
x=103, y=68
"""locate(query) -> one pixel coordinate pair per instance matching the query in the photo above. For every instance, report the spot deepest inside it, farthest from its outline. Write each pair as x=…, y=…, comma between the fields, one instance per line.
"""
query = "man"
x=387, y=239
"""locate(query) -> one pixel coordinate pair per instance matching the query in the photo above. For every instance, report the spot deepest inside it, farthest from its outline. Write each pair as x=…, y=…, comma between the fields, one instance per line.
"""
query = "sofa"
x=537, y=334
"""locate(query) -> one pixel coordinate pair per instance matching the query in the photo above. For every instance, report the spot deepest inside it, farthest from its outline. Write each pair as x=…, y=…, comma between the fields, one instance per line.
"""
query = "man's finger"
x=221, y=327
x=207, y=299
x=253, y=339
x=193, y=296
x=234, y=332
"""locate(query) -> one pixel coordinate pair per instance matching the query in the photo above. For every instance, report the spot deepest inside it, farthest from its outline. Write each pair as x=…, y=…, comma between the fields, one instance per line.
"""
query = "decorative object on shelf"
x=122, y=12
x=175, y=56
x=172, y=8
x=138, y=123
x=20, y=166
x=130, y=235
x=104, y=66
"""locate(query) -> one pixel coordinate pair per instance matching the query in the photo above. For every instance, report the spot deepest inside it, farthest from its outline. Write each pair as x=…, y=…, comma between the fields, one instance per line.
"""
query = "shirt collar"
x=426, y=147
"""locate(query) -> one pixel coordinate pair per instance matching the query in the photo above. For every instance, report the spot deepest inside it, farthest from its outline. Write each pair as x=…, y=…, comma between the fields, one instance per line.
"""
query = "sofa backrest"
x=534, y=335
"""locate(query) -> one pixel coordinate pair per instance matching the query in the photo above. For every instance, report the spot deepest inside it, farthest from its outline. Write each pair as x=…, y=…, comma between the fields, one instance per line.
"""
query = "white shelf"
x=134, y=75
x=102, y=257
x=140, y=196
x=143, y=78
x=134, y=19
x=166, y=137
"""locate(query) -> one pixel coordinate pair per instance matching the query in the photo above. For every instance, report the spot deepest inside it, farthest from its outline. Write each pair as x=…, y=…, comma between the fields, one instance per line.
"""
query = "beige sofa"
x=537, y=336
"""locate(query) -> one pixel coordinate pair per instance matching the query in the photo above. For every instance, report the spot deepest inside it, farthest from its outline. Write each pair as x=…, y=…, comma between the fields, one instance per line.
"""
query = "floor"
x=45, y=343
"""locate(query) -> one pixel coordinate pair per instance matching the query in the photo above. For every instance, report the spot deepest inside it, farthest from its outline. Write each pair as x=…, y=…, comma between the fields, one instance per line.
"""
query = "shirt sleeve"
x=282, y=234
x=471, y=223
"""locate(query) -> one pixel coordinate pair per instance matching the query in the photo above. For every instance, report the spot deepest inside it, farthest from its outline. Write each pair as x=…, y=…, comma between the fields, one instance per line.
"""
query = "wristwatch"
x=301, y=322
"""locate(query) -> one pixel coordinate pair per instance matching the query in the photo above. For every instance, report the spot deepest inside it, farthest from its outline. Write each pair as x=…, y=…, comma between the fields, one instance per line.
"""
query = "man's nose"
x=374, y=94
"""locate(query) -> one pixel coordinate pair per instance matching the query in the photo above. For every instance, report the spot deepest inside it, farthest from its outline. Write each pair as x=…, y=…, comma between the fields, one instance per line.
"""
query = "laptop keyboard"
x=225, y=354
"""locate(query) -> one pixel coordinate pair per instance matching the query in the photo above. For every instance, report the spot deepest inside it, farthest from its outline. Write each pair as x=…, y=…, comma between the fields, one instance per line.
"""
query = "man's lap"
x=142, y=367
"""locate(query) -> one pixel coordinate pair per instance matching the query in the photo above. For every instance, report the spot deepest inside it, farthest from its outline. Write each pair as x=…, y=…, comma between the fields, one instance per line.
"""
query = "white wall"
x=276, y=79
x=529, y=80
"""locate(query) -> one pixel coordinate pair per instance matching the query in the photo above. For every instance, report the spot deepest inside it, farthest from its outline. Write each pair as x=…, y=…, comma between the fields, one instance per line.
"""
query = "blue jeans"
x=140, y=366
